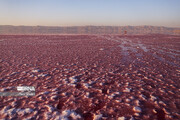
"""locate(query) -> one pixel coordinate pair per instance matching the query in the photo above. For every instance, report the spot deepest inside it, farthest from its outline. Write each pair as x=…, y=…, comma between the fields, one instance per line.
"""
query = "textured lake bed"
x=91, y=77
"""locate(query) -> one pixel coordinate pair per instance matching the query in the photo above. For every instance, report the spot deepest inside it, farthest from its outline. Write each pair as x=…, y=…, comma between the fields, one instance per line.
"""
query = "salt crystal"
x=121, y=118
x=98, y=117
x=137, y=109
x=127, y=90
x=35, y=71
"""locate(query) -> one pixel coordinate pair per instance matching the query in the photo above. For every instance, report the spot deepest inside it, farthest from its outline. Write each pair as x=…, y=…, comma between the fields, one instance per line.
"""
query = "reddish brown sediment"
x=91, y=76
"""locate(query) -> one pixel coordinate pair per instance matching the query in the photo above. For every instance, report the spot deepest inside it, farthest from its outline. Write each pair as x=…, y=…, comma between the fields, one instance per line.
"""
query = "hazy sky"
x=90, y=12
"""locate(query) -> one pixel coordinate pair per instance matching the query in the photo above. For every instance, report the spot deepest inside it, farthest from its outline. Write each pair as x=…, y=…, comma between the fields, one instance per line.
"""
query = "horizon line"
x=88, y=26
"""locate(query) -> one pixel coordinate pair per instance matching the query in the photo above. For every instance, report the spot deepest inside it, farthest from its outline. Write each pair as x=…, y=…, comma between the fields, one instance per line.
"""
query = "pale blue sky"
x=90, y=12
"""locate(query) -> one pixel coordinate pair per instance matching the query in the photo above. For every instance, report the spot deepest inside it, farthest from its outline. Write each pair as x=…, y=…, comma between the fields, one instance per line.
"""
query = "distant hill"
x=134, y=30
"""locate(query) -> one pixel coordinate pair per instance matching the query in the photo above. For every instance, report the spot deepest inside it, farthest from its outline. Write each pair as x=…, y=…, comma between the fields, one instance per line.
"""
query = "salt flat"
x=91, y=77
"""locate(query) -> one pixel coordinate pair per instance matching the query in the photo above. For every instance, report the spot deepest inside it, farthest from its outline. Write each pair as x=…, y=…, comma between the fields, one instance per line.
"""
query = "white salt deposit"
x=72, y=79
x=162, y=103
x=64, y=81
x=75, y=116
x=50, y=108
x=55, y=89
x=118, y=100
x=136, y=114
x=13, y=73
x=113, y=94
x=18, y=111
x=87, y=94
x=98, y=117
x=69, y=113
x=53, y=97
x=127, y=83
x=4, y=109
x=73, y=85
x=142, y=97
x=42, y=75
x=152, y=98
x=101, y=49
x=35, y=70
x=127, y=100
x=127, y=90
x=31, y=75
x=137, y=109
x=154, y=111
x=86, y=85
x=13, y=104
x=136, y=102
x=131, y=118
x=121, y=118
x=131, y=97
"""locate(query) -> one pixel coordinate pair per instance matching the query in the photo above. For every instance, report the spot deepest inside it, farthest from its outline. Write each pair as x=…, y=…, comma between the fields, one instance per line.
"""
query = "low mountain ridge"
x=130, y=30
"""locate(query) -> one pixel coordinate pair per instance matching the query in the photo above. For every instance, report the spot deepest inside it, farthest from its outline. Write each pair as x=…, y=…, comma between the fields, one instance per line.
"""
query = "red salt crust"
x=92, y=75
